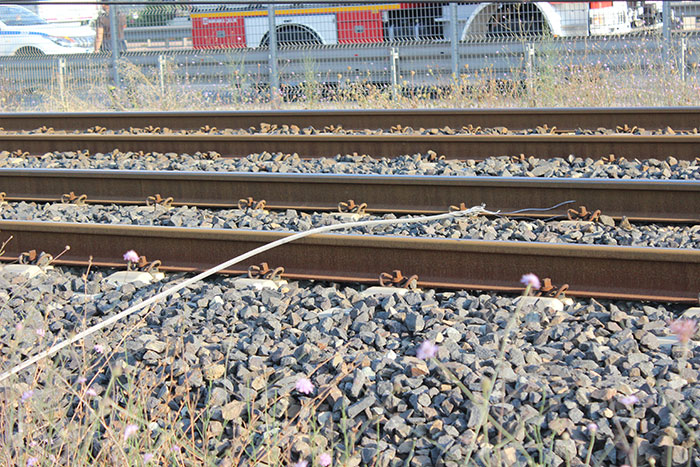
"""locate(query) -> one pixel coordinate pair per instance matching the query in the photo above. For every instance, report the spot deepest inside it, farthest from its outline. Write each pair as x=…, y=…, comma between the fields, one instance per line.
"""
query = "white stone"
x=28, y=270
x=259, y=284
x=127, y=277
x=692, y=313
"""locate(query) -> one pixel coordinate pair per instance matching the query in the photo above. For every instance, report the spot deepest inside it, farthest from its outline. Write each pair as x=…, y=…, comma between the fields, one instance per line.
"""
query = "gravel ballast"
x=477, y=228
x=417, y=164
x=221, y=346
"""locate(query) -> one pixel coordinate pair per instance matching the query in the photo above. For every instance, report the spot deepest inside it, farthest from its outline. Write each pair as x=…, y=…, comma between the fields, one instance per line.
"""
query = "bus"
x=223, y=26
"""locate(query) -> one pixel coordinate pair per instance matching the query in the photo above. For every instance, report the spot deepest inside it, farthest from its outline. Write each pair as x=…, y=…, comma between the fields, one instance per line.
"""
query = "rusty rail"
x=684, y=147
x=679, y=118
x=645, y=200
x=594, y=271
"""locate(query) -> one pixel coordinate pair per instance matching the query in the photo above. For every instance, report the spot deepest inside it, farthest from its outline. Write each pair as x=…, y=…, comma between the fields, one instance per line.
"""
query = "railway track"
x=639, y=200
x=680, y=118
x=590, y=270
x=661, y=274
x=477, y=147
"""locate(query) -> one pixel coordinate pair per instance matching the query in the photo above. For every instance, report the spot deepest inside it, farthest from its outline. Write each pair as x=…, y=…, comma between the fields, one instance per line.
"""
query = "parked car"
x=22, y=32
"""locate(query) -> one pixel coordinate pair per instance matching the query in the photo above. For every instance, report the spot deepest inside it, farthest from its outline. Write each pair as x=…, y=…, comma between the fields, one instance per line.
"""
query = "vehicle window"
x=18, y=16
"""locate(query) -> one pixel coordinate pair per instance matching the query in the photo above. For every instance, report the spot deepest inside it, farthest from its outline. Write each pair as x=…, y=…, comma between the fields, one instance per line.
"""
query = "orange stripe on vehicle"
x=301, y=11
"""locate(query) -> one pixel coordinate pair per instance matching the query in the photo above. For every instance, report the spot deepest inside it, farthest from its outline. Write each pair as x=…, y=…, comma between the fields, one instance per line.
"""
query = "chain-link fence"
x=185, y=55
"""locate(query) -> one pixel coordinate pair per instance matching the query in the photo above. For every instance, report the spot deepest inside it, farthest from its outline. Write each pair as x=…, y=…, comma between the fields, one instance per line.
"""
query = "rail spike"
x=32, y=257
x=549, y=290
x=583, y=214
x=146, y=266
x=628, y=129
x=545, y=130
x=158, y=200
x=350, y=206
x=397, y=279
x=249, y=203
x=72, y=198
x=263, y=271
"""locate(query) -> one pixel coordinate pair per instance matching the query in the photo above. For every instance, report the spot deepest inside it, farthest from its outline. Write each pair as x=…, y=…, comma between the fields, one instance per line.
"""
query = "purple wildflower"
x=40, y=332
x=531, y=280
x=592, y=427
x=148, y=457
x=301, y=464
x=130, y=430
x=683, y=329
x=131, y=256
x=325, y=459
x=629, y=400
x=98, y=348
x=32, y=461
x=304, y=386
x=26, y=395
x=91, y=392
x=426, y=350
x=81, y=380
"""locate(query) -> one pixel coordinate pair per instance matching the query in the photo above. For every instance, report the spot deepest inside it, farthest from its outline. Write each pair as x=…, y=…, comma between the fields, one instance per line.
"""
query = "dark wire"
x=508, y=214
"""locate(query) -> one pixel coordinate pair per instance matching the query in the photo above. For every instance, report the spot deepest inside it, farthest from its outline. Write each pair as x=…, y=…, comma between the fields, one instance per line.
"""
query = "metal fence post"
x=62, y=79
x=454, y=37
x=114, y=33
x=530, y=71
x=272, y=34
x=530, y=59
x=394, y=59
x=161, y=74
x=666, y=29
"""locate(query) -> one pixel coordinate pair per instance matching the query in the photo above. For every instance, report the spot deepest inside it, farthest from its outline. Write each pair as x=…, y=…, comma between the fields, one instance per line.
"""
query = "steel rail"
x=594, y=271
x=684, y=147
x=642, y=200
x=678, y=118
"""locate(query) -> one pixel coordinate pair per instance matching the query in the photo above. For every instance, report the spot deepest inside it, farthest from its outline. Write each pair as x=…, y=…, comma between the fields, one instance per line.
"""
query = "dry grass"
x=560, y=77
